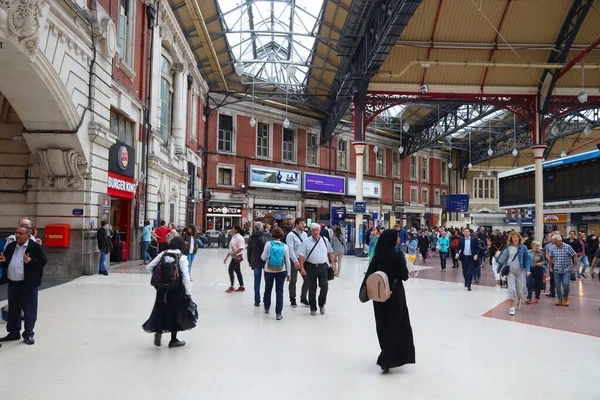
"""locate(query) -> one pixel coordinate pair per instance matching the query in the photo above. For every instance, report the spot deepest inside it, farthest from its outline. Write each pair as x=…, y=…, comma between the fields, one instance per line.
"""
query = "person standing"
x=236, y=249
x=443, y=245
x=516, y=255
x=394, y=331
x=24, y=262
x=403, y=235
x=373, y=242
x=146, y=240
x=314, y=254
x=104, y=245
x=339, y=249
x=256, y=245
x=564, y=260
x=582, y=255
x=592, y=248
x=538, y=265
x=467, y=252
x=191, y=247
x=276, y=256
x=548, y=246
x=423, y=245
x=454, y=238
x=294, y=241
x=161, y=236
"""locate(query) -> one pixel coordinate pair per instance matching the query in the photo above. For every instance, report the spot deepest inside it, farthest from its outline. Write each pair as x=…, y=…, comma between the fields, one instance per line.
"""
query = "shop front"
x=310, y=214
x=586, y=222
x=121, y=189
x=269, y=214
x=555, y=222
x=223, y=216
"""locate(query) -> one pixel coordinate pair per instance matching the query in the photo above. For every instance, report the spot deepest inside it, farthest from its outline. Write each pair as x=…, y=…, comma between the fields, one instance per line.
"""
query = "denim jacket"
x=523, y=256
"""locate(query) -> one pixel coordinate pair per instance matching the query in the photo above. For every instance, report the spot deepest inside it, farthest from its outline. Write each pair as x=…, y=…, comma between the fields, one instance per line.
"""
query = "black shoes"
x=29, y=340
x=176, y=343
x=157, y=337
x=10, y=337
x=105, y=273
x=256, y=304
x=305, y=302
x=550, y=295
x=293, y=303
x=385, y=370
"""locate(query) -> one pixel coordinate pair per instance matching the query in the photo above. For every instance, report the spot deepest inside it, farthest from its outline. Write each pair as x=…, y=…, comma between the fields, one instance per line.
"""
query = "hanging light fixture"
x=450, y=152
x=239, y=66
x=582, y=96
x=515, y=152
x=490, y=151
x=563, y=154
x=286, y=121
x=405, y=127
x=375, y=149
x=470, y=165
x=291, y=71
x=587, y=130
x=401, y=149
x=253, y=120
x=554, y=129
x=489, y=173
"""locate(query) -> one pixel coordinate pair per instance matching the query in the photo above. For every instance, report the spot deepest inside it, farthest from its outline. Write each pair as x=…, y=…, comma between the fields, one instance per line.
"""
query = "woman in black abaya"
x=393, y=323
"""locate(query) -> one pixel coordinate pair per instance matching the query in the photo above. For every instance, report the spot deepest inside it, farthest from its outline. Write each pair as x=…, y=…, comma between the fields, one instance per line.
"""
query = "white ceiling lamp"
x=375, y=149
x=582, y=96
x=450, y=152
x=554, y=129
x=253, y=122
x=405, y=127
x=489, y=173
x=286, y=123
x=400, y=149
x=239, y=68
x=563, y=154
x=470, y=165
x=490, y=151
x=291, y=71
x=450, y=165
x=587, y=130
x=515, y=152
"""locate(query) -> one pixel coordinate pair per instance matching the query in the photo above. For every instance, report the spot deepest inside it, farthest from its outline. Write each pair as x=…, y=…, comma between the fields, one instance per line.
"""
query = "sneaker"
x=230, y=290
x=511, y=311
x=279, y=317
x=293, y=304
x=550, y=295
x=240, y=289
x=469, y=289
x=416, y=274
x=304, y=302
x=176, y=343
x=528, y=301
x=537, y=301
x=322, y=310
x=313, y=313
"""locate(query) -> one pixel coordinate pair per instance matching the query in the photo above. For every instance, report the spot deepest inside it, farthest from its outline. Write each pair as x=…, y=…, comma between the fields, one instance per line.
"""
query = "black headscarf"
x=386, y=259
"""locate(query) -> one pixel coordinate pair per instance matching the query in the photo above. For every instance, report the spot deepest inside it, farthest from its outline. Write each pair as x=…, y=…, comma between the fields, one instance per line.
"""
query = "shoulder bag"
x=506, y=267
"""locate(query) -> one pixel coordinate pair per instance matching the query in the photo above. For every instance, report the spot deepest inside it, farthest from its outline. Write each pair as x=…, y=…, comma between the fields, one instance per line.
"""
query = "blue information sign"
x=338, y=214
x=359, y=207
x=455, y=203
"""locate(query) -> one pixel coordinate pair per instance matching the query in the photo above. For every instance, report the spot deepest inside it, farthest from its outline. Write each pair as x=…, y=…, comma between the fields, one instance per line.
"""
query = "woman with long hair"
x=515, y=255
x=391, y=317
x=338, y=244
x=191, y=246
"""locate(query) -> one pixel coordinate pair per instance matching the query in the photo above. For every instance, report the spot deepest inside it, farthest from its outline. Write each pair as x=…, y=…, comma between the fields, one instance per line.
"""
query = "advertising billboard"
x=370, y=188
x=274, y=178
x=324, y=183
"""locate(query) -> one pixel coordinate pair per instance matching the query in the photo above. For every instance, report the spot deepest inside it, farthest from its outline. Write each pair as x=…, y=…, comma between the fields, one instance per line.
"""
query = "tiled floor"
x=90, y=345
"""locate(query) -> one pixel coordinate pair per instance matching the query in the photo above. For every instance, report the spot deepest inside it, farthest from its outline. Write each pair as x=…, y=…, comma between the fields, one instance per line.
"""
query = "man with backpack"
x=256, y=245
x=294, y=240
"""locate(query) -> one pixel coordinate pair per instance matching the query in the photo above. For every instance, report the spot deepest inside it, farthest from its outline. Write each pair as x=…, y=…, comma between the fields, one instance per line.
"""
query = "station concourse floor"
x=90, y=344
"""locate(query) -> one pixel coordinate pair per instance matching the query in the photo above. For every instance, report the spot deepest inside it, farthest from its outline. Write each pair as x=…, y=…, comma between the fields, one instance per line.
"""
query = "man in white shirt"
x=294, y=240
x=237, y=244
x=468, y=253
x=314, y=255
x=23, y=221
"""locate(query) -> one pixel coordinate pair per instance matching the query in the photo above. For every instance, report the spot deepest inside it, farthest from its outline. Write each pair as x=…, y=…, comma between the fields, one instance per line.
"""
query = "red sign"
x=121, y=186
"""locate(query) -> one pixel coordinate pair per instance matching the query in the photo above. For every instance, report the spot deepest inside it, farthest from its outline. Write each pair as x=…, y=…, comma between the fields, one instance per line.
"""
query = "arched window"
x=166, y=98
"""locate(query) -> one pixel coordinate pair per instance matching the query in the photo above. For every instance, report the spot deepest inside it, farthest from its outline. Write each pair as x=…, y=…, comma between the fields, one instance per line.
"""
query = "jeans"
x=586, y=264
x=534, y=282
x=235, y=267
x=477, y=269
x=145, y=253
x=443, y=256
x=279, y=278
x=257, y=277
x=316, y=275
x=21, y=298
x=563, y=283
x=190, y=258
x=468, y=266
x=102, y=265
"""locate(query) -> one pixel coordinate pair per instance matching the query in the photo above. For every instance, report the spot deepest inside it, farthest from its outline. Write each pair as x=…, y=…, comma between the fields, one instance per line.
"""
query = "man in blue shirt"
x=146, y=239
x=564, y=260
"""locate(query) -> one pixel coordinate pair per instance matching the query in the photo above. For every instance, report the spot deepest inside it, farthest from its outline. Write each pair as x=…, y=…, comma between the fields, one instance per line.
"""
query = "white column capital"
x=359, y=148
x=538, y=151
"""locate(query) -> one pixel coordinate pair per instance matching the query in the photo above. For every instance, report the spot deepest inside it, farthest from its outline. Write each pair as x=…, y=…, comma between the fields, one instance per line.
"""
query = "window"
x=225, y=175
x=445, y=173
x=166, y=99
x=413, y=167
x=225, y=139
x=289, y=148
x=122, y=127
x=312, y=149
x=262, y=141
x=343, y=155
x=126, y=37
x=380, y=163
x=395, y=163
x=398, y=193
x=424, y=169
x=437, y=199
x=172, y=213
x=414, y=194
x=425, y=196
x=193, y=117
x=484, y=188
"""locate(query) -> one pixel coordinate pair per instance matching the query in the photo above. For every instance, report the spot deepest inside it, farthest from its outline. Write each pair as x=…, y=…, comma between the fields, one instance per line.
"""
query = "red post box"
x=57, y=235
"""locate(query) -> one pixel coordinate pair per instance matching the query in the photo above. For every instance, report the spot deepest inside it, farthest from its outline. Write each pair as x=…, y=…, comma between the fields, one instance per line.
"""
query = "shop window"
x=484, y=188
x=343, y=155
x=413, y=167
x=424, y=169
x=262, y=141
x=166, y=99
x=289, y=145
x=414, y=195
x=437, y=199
x=398, y=193
x=312, y=149
x=425, y=196
x=122, y=128
x=445, y=173
x=380, y=162
x=396, y=164
x=224, y=176
x=225, y=139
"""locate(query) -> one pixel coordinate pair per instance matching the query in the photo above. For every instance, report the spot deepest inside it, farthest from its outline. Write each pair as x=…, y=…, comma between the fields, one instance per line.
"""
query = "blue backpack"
x=276, y=254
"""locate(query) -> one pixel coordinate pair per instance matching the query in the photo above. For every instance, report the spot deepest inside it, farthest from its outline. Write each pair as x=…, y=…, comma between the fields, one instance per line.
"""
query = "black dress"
x=423, y=246
x=393, y=323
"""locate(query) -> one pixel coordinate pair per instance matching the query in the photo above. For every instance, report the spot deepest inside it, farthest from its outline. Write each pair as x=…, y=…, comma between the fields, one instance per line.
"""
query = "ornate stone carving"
x=61, y=169
x=22, y=19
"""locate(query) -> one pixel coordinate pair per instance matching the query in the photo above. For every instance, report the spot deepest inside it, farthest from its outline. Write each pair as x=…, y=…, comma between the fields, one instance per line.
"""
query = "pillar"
x=359, y=148
x=178, y=116
x=538, y=153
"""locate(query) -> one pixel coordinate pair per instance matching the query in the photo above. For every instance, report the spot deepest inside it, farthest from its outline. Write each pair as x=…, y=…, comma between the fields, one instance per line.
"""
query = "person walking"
x=373, y=242
x=146, y=240
x=454, y=238
x=516, y=255
x=161, y=236
x=104, y=245
x=313, y=256
x=593, y=242
x=23, y=263
x=564, y=261
x=276, y=256
x=256, y=245
x=423, y=245
x=582, y=255
x=338, y=244
x=167, y=303
x=548, y=246
x=467, y=252
x=191, y=246
x=294, y=240
x=538, y=266
x=236, y=249
x=392, y=320
x=443, y=245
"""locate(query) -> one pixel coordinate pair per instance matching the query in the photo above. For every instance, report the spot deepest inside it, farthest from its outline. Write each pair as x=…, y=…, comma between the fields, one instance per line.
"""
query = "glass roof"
x=269, y=35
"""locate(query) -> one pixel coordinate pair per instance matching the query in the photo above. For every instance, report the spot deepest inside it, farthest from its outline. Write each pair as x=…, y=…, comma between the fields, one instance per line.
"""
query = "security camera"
x=424, y=89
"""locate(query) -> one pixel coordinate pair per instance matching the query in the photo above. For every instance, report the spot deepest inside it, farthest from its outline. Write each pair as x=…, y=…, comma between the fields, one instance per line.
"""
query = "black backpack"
x=166, y=275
